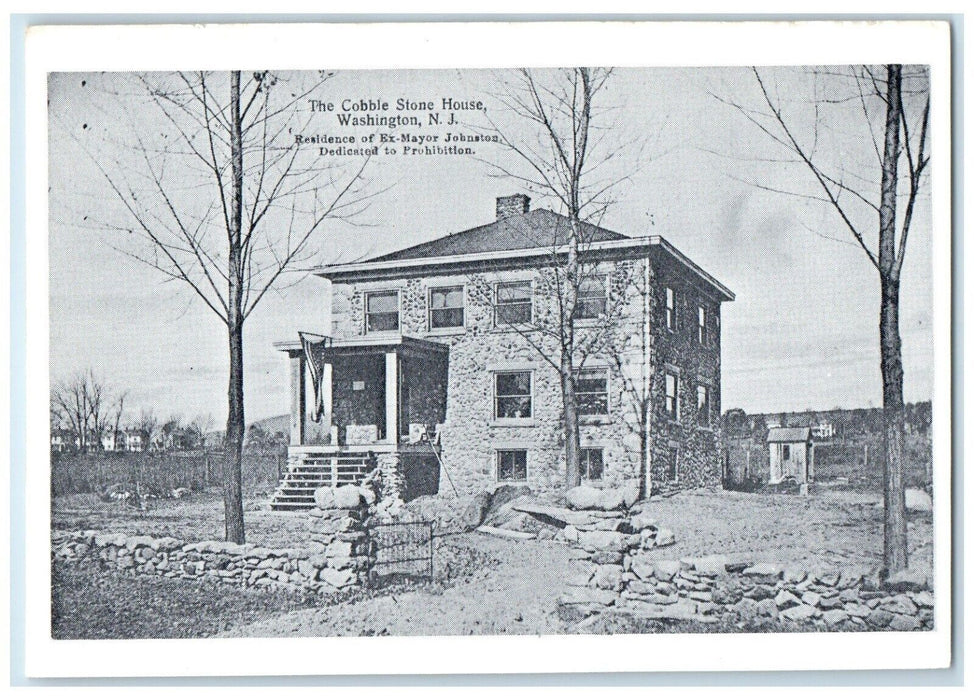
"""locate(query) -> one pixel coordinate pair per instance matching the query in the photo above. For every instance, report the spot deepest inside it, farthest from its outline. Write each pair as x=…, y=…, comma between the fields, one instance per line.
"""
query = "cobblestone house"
x=654, y=322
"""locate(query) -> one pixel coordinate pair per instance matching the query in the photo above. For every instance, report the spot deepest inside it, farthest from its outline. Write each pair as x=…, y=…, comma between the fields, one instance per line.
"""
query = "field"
x=483, y=585
x=156, y=473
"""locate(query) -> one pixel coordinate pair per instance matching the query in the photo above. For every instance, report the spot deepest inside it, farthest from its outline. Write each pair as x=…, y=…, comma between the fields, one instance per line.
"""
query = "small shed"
x=792, y=454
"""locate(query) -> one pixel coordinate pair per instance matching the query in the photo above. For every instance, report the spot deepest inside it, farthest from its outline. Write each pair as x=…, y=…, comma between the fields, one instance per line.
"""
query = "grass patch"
x=91, y=603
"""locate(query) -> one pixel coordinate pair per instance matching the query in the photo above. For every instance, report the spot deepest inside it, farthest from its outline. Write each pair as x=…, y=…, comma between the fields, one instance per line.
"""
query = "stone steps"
x=297, y=488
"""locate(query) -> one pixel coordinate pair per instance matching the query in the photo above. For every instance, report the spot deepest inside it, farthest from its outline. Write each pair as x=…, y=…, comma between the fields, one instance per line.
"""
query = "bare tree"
x=894, y=110
x=170, y=430
x=83, y=403
x=147, y=427
x=115, y=418
x=562, y=157
x=221, y=198
x=198, y=428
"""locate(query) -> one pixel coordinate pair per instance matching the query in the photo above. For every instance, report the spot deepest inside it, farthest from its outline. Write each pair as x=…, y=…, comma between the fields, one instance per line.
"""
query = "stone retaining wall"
x=338, y=555
x=617, y=568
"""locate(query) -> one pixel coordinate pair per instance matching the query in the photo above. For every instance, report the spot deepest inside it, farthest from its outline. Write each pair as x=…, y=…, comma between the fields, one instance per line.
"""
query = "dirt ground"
x=196, y=517
x=517, y=592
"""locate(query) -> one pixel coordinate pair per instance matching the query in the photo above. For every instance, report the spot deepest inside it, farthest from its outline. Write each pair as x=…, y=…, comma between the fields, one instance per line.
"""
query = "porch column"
x=326, y=397
x=392, y=398
x=297, y=399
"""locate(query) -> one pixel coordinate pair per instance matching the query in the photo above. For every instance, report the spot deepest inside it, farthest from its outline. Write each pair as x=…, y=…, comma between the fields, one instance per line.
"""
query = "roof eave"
x=385, y=269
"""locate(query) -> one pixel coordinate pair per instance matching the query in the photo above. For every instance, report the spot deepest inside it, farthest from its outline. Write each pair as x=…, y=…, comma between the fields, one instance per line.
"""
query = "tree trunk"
x=233, y=440
x=573, y=475
x=646, y=487
x=891, y=359
x=894, y=535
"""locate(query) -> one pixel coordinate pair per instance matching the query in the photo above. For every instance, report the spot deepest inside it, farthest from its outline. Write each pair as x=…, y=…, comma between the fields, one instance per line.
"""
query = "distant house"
x=791, y=454
x=134, y=441
x=114, y=441
x=823, y=431
x=62, y=440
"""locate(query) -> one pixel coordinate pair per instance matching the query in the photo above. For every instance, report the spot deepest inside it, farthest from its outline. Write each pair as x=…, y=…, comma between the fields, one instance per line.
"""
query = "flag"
x=315, y=369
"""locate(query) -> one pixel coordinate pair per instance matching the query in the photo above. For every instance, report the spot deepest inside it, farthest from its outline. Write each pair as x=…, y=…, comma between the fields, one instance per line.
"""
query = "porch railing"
x=309, y=471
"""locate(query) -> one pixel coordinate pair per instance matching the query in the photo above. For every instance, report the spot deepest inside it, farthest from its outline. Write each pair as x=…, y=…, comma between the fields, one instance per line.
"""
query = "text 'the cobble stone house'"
x=435, y=366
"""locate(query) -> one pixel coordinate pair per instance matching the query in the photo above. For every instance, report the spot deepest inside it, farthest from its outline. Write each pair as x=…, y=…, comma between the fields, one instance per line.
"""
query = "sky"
x=802, y=332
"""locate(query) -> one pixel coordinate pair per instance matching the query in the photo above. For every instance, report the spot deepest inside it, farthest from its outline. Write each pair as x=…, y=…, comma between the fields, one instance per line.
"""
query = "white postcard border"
x=449, y=45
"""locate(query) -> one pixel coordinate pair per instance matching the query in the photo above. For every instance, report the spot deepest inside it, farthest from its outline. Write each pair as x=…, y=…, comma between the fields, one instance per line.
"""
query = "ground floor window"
x=512, y=465
x=592, y=463
x=672, y=464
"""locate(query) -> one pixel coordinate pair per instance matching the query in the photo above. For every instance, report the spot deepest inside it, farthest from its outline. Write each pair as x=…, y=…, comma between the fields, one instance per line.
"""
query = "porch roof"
x=369, y=344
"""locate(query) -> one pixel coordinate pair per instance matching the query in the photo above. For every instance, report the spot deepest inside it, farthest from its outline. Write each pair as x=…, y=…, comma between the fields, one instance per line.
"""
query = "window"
x=591, y=301
x=446, y=307
x=512, y=395
x=786, y=452
x=512, y=465
x=703, y=405
x=381, y=312
x=702, y=325
x=673, y=463
x=512, y=303
x=592, y=392
x=591, y=463
x=670, y=309
x=672, y=396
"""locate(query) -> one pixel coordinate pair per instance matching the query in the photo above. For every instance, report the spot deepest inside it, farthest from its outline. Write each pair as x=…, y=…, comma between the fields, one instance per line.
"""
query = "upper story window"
x=671, y=308
x=446, y=307
x=591, y=300
x=512, y=303
x=703, y=405
x=381, y=311
x=702, y=325
x=672, y=396
x=512, y=394
x=592, y=392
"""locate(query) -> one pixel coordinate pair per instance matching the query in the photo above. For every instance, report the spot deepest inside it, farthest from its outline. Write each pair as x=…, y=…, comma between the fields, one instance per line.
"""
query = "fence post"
x=430, y=536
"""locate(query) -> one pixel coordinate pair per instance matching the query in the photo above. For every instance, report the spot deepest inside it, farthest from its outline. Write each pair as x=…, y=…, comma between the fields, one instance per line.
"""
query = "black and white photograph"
x=592, y=351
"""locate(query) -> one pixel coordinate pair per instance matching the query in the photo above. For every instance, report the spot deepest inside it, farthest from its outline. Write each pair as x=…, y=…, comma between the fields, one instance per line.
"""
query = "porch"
x=362, y=403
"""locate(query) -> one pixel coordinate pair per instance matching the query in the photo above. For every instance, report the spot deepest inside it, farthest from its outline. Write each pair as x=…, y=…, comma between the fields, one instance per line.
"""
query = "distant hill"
x=271, y=426
x=274, y=424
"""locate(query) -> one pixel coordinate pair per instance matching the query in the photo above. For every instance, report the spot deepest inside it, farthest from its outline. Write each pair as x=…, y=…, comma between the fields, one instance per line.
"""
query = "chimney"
x=512, y=206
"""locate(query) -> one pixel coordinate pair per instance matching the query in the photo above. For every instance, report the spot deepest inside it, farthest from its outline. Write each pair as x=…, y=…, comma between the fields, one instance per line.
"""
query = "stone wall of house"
x=470, y=437
x=423, y=384
x=693, y=445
